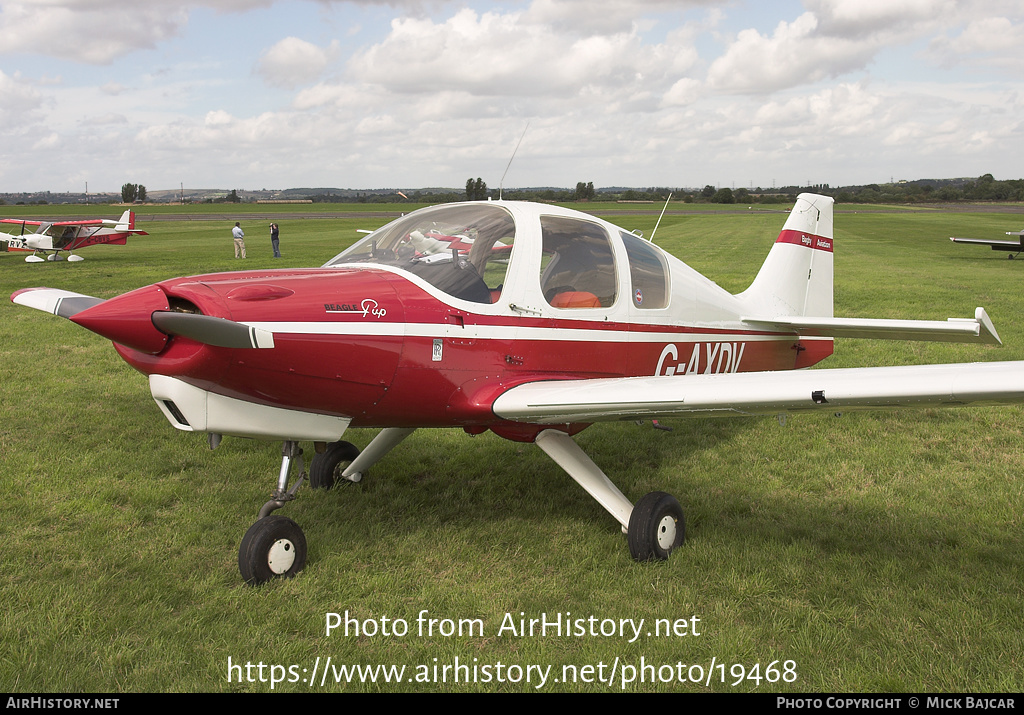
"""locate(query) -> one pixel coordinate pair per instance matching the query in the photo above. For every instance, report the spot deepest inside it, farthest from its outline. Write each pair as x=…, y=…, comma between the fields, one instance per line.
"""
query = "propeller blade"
x=219, y=332
x=53, y=300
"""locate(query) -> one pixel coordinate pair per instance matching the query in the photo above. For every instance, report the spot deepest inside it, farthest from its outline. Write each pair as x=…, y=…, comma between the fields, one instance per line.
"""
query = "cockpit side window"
x=647, y=271
x=461, y=249
x=578, y=265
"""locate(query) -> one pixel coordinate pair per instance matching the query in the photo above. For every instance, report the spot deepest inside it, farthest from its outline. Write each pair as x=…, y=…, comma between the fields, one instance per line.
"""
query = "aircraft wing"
x=83, y=222
x=756, y=393
x=961, y=330
x=35, y=226
x=996, y=245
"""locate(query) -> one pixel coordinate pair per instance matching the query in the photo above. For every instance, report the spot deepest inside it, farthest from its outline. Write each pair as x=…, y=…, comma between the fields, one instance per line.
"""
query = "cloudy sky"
x=255, y=94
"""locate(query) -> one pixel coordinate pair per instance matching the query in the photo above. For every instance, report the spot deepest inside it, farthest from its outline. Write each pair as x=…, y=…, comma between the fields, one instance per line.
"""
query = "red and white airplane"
x=578, y=321
x=57, y=236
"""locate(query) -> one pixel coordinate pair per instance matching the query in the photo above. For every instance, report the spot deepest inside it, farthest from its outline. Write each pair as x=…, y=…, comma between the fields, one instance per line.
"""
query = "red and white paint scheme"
x=57, y=236
x=535, y=323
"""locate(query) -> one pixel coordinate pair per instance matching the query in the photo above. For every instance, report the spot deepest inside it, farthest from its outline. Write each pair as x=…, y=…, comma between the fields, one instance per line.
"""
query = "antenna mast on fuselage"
x=659, y=217
x=501, y=183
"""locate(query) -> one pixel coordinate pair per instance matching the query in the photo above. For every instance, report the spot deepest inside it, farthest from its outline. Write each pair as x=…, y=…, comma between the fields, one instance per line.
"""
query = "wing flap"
x=978, y=329
x=754, y=393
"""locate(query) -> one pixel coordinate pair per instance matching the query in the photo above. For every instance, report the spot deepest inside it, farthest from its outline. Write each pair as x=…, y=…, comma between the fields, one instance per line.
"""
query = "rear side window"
x=647, y=271
x=578, y=265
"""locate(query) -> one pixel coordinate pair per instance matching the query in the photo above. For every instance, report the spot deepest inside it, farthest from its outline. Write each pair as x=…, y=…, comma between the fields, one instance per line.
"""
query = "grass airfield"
x=876, y=551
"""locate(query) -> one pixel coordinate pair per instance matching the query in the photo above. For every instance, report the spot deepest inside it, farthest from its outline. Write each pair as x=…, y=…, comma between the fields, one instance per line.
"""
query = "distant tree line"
x=984, y=188
x=980, y=189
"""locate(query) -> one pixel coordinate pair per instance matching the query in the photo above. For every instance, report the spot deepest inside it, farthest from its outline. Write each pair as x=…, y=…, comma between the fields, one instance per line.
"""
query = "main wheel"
x=273, y=547
x=327, y=466
x=656, y=527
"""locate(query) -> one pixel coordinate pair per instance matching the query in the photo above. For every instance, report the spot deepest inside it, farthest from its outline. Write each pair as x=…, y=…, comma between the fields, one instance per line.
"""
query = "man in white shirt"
x=239, y=240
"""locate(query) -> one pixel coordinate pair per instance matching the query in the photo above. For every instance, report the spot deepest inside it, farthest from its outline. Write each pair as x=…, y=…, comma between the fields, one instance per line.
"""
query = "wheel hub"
x=281, y=556
x=667, y=532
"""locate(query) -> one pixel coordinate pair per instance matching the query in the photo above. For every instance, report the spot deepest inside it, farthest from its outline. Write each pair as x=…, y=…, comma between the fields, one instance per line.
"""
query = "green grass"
x=878, y=551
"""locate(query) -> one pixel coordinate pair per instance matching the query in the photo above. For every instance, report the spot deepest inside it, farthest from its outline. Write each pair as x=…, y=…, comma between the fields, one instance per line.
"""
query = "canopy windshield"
x=461, y=249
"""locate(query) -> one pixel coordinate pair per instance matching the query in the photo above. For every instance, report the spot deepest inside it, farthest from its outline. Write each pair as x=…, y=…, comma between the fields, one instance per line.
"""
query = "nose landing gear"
x=275, y=547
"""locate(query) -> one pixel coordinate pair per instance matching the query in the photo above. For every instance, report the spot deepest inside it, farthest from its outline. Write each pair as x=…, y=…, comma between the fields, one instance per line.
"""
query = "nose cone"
x=127, y=319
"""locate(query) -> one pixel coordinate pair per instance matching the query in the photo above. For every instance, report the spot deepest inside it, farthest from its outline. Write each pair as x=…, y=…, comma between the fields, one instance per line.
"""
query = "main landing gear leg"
x=342, y=460
x=654, y=527
x=275, y=547
x=386, y=440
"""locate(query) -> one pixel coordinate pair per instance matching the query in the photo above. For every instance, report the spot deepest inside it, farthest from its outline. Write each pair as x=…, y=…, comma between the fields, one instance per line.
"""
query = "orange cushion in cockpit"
x=576, y=299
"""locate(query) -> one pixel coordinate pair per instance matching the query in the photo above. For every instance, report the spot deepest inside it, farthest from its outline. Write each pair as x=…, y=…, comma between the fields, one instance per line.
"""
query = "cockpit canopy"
x=465, y=251
x=461, y=249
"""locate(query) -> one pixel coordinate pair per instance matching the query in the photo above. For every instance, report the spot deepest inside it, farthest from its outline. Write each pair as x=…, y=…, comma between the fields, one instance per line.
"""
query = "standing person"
x=239, y=237
x=274, y=240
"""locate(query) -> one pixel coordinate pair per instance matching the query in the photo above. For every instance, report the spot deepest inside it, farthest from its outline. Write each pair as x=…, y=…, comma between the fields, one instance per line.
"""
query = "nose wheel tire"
x=273, y=547
x=656, y=527
x=326, y=467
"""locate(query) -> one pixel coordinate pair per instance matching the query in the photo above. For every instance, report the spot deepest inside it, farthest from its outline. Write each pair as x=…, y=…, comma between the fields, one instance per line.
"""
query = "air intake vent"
x=176, y=413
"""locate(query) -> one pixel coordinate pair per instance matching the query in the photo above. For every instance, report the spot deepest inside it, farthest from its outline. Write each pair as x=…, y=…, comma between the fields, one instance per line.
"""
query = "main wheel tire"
x=656, y=527
x=327, y=466
x=273, y=547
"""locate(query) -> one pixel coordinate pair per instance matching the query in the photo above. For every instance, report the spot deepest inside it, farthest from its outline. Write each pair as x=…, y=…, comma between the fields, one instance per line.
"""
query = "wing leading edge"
x=755, y=393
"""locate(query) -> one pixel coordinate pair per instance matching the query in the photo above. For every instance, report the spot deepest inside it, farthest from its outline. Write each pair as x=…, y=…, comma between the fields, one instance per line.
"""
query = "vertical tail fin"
x=127, y=221
x=796, y=278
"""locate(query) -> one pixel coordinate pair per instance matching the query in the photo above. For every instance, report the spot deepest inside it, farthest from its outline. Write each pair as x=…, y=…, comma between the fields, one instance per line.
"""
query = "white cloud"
x=796, y=53
x=111, y=118
x=218, y=118
x=21, y=102
x=871, y=18
x=512, y=55
x=684, y=91
x=50, y=141
x=992, y=41
x=602, y=16
x=293, y=62
x=91, y=32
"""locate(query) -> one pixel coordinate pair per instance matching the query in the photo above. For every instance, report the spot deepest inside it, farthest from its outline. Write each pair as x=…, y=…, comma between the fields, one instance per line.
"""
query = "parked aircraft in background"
x=57, y=236
x=546, y=321
x=1014, y=247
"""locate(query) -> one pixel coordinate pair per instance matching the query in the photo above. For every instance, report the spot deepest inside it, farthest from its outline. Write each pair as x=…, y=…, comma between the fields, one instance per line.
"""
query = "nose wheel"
x=273, y=547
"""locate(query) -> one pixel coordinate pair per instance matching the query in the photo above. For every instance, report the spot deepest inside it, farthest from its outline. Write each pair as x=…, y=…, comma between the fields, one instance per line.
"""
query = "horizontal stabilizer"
x=753, y=393
x=978, y=329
